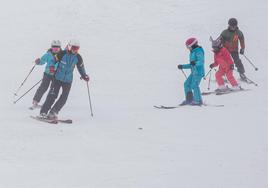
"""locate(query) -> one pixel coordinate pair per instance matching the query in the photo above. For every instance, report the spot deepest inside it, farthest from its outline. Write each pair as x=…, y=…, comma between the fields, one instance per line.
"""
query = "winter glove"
x=52, y=69
x=179, y=66
x=232, y=67
x=242, y=51
x=193, y=63
x=37, y=61
x=85, y=77
x=211, y=65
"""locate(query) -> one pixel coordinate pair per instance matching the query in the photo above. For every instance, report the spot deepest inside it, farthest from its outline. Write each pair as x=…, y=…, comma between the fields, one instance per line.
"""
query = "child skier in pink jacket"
x=222, y=58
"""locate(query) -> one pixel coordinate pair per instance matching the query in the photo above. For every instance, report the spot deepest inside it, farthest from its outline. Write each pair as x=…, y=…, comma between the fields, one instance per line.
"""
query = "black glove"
x=179, y=66
x=85, y=77
x=211, y=65
x=242, y=50
x=232, y=67
x=193, y=63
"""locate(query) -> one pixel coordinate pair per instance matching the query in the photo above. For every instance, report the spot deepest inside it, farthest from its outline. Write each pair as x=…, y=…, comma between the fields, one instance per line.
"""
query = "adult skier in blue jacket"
x=68, y=59
x=191, y=85
x=49, y=58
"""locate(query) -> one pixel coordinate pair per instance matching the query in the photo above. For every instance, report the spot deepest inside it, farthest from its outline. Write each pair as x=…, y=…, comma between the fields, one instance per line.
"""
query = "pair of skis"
x=224, y=92
x=46, y=120
x=179, y=106
x=204, y=93
x=52, y=121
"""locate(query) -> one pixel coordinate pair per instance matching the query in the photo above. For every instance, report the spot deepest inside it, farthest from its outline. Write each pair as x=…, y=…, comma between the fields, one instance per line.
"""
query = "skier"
x=68, y=58
x=49, y=58
x=191, y=85
x=222, y=58
x=230, y=38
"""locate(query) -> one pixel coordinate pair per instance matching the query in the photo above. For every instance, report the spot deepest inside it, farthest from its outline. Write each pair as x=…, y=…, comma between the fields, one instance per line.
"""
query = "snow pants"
x=229, y=75
x=192, y=85
x=53, y=95
x=238, y=62
x=47, y=79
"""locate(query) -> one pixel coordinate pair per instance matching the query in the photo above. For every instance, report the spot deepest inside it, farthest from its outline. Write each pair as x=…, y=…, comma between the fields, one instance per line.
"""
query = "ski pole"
x=24, y=80
x=184, y=73
x=209, y=80
x=250, y=62
x=248, y=79
x=27, y=91
x=89, y=100
x=205, y=77
x=255, y=84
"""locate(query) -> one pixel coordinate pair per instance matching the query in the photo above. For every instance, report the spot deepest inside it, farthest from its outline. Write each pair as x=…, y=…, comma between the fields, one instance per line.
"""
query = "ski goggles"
x=75, y=49
x=55, y=49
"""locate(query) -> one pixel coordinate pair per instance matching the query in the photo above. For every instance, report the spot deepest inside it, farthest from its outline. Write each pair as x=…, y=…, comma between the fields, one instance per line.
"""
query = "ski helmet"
x=191, y=42
x=73, y=45
x=74, y=42
x=55, y=43
x=216, y=44
x=233, y=22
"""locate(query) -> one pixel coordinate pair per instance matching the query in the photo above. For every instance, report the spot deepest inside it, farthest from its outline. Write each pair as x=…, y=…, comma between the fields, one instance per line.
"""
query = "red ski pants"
x=229, y=75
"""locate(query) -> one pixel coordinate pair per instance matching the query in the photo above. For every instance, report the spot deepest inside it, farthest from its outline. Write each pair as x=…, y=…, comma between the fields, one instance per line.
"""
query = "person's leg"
x=238, y=64
x=51, y=97
x=66, y=87
x=219, y=74
x=187, y=89
x=197, y=93
x=42, y=88
x=230, y=77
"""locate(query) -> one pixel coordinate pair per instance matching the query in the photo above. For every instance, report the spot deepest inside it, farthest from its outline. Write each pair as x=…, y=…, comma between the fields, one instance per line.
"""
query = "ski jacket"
x=51, y=63
x=66, y=64
x=230, y=39
x=223, y=59
x=197, y=55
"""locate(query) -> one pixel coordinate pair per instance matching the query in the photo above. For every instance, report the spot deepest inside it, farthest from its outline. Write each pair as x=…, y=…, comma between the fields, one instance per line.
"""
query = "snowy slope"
x=131, y=50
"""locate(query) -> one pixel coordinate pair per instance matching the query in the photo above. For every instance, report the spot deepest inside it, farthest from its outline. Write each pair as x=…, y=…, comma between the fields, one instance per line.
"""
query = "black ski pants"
x=46, y=80
x=238, y=62
x=53, y=95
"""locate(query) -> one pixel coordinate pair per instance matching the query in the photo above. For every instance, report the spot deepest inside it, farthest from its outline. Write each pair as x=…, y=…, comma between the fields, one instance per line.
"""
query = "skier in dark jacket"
x=68, y=59
x=49, y=58
x=230, y=38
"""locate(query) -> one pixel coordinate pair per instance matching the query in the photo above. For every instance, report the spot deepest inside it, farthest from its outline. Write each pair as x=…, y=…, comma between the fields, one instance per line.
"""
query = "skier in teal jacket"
x=191, y=85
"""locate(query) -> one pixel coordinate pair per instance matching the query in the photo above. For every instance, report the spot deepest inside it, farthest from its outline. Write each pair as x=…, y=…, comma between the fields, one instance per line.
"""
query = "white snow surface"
x=131, y=49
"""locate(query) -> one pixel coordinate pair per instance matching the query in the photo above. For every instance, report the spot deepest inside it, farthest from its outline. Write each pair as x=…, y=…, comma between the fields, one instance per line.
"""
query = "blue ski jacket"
x=197, y=55
x=66, y=64
x=51, y=63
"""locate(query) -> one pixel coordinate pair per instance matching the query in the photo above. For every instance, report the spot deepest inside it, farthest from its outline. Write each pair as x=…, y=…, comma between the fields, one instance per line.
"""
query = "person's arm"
x=81, y=68
x=43, y=59
x=199, y=58
x=242, y=42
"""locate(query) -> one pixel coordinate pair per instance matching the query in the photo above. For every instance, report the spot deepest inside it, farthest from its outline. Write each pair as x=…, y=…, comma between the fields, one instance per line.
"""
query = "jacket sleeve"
x=80, y=66
x=44, y=59
x=199, y=58
x=241, y=39
x=186, y=66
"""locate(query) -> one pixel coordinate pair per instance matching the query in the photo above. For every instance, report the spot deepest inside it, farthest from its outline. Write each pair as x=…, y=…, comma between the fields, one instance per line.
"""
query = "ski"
x=230, y=91
x=178, y=106
x=166, y=107
x=225, y=92
x=67, y=121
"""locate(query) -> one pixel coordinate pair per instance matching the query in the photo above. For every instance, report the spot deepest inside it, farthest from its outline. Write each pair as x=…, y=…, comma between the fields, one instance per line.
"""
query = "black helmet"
x=232, y=22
